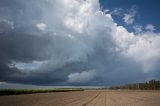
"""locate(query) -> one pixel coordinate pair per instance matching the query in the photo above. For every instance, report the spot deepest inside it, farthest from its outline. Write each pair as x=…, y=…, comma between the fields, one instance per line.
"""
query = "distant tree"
x=151, y=85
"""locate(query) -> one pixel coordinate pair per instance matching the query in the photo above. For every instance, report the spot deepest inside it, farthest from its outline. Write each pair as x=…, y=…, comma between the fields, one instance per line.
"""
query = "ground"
x=85, y=98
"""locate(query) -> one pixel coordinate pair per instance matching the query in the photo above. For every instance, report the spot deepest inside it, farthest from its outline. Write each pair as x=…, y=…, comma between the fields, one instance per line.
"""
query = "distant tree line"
x=36, y=90
x=151, y=85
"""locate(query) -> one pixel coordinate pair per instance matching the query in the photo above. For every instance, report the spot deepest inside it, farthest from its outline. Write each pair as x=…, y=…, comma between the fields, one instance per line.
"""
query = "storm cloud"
x=72, y=42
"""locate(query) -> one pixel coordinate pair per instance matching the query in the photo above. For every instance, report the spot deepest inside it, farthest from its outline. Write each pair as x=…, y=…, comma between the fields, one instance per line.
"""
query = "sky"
x=145, y=12
x=79, y=42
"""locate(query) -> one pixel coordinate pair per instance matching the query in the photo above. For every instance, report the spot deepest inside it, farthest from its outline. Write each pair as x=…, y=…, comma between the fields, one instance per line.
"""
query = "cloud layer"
x=72, y=42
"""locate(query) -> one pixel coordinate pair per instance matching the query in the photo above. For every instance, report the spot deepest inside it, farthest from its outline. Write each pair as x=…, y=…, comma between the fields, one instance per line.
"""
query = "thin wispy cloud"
x=130, y=15
x=138, y=29
x=150, y=27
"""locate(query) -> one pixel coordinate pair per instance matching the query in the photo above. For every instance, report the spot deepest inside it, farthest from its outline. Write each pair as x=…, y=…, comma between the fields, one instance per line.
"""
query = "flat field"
x=85, y=98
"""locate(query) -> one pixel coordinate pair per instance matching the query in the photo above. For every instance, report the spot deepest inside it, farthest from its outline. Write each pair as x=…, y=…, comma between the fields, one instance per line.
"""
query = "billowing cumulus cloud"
x=71, y=42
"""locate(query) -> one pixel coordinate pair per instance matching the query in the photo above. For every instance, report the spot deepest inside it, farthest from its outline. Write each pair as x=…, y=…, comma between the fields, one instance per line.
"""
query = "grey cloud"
x=76, y=37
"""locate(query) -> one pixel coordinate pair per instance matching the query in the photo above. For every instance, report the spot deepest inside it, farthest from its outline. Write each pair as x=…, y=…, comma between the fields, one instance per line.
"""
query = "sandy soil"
x=85, y=98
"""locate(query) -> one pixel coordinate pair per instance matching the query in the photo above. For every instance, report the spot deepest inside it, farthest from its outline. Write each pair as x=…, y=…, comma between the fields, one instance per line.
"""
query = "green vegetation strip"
x=30, y=91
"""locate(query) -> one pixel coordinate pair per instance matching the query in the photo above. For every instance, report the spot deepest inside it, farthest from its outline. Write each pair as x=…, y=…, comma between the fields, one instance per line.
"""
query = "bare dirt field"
x=85, y=98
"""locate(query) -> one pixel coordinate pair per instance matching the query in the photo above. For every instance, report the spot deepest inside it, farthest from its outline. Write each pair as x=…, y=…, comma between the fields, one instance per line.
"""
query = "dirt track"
x=85, y=98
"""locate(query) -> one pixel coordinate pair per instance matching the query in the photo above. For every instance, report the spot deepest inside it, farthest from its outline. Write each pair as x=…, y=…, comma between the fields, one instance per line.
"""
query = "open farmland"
x=85, y=98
